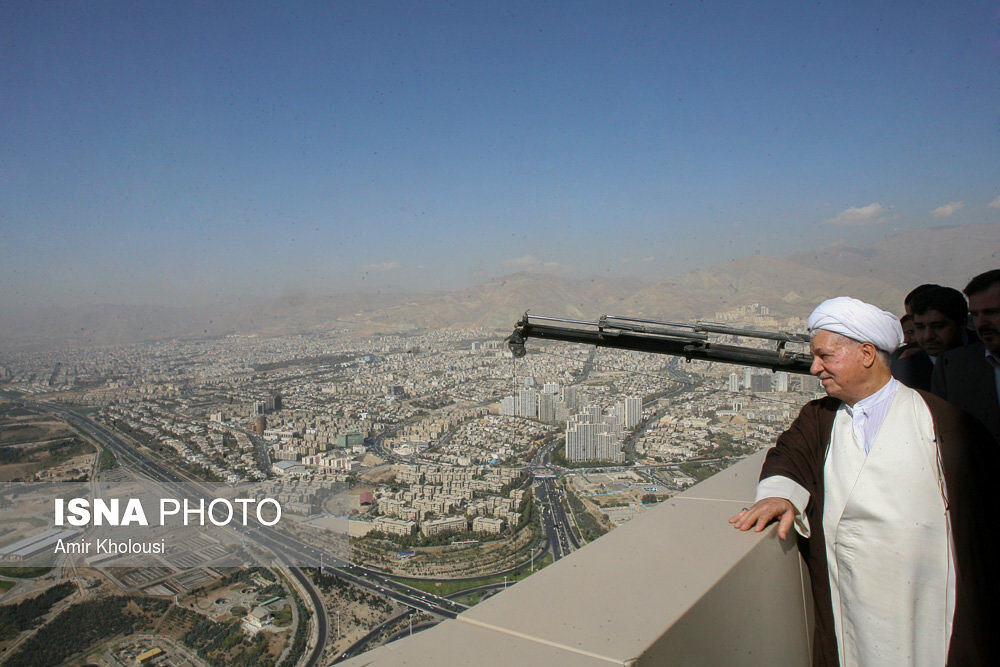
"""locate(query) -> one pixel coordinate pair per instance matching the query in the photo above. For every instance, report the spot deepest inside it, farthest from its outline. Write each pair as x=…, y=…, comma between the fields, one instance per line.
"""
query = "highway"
x=286, y=549
x=290, y=551
x=552, y=514
x=139, y=463
x=554, y=521
x=265, y=461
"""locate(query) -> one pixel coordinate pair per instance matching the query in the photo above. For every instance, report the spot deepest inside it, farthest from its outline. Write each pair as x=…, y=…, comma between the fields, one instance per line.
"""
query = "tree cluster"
x=301, y=635
x=82, y=625
x=225, y=643
x=28, y=613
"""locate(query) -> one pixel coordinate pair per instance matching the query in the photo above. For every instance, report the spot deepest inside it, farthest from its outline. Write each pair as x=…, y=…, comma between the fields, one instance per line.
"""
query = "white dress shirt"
x=867, y=416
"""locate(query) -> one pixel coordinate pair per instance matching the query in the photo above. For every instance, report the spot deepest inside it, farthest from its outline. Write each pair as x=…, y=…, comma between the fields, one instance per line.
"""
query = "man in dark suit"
x=940, y=315
x=968, y=377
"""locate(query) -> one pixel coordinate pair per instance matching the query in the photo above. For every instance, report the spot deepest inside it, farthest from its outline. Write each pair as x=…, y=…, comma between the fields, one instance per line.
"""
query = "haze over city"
x=272, y=255
x=184, y=154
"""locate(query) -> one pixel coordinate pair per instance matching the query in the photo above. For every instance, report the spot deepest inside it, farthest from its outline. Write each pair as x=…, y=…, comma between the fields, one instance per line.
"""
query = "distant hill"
x=497, y=303
x=943, y=255
x=882, y=272
x=785, y=286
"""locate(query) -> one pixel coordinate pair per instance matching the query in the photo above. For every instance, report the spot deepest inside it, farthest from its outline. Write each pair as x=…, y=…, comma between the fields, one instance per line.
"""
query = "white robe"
x=887, y=540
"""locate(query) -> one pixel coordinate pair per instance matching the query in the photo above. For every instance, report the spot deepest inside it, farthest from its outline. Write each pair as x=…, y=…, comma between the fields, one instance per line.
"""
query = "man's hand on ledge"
x=763, y=512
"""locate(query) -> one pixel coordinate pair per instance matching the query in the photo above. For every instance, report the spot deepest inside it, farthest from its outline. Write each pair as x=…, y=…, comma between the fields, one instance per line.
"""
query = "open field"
x=20, y=431
x=33, y=446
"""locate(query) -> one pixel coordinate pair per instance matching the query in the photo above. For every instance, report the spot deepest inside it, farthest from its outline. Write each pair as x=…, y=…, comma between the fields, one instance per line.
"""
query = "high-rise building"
x=632, y=412
x=734, y=383
x=350, y=439
x=272, y=403
x=760, y=383
x=570, y=399
x=781, y=381
x=546, y=407
x=508, y=406
x=528, y=403
x=811, y=383
x=550, y=388
x=591, y=435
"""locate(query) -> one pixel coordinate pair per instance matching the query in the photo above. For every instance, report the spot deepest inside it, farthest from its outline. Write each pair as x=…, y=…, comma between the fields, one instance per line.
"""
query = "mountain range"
x=881, y=272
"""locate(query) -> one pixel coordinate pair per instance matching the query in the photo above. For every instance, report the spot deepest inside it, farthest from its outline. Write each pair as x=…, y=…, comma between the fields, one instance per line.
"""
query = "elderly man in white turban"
x=888, y=491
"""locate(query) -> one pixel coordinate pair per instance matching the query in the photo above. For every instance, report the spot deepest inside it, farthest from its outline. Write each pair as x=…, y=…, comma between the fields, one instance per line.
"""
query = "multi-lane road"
x=555, y=523
x=288, y=550
x=291, y=552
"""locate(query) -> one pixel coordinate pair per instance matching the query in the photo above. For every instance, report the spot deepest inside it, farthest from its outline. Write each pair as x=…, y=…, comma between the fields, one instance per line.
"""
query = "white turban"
x=858, y=320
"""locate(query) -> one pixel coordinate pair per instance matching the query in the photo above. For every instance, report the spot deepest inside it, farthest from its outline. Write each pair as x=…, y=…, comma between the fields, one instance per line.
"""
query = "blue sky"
x=187, y=152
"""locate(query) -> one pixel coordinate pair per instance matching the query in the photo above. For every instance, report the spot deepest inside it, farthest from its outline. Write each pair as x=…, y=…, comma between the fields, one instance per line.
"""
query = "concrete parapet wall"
x=676, y=585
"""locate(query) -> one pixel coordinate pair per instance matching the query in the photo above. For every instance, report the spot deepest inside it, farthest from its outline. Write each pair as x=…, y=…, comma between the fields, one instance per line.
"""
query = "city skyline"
x=185, y=154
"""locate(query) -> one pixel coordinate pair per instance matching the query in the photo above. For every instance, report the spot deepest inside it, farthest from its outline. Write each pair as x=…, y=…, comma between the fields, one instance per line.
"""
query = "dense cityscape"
x=458, y=464
x=395, y=333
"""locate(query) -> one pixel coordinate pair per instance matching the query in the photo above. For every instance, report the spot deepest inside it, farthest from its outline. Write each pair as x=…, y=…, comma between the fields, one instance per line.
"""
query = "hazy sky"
x=161, y=152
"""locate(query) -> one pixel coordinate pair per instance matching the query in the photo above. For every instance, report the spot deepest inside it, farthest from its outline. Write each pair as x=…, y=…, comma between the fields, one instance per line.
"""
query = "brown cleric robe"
x=970, y=459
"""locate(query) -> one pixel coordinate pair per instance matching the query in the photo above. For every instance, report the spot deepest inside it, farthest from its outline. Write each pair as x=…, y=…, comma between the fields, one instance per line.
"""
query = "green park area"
x=24, y=572
x=449, y=587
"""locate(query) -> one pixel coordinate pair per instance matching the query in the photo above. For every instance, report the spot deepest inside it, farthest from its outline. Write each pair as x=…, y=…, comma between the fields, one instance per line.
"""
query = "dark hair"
x=905, y=318
x=982, y=282
x=918, y=290
x=946, y=300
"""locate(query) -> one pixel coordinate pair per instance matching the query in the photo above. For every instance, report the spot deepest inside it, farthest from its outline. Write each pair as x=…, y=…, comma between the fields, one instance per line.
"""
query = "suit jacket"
x=914, y=371
x=969, y=459
x=964, y=378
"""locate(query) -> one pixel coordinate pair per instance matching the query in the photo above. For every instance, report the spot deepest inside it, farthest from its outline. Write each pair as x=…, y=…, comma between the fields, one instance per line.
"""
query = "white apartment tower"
x=508, y=406
x=632, y=411
x=547, y=407
x=591, y=435
x=570, y=399
x=527, y=403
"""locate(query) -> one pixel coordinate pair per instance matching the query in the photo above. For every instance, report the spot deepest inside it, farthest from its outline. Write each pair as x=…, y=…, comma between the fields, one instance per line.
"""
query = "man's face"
x=909, y=332
x=985, y=310
x=838, y=362
x=936, y=333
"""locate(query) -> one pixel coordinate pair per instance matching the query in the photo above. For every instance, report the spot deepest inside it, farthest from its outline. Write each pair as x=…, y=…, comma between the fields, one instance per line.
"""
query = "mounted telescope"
x=690, y=341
